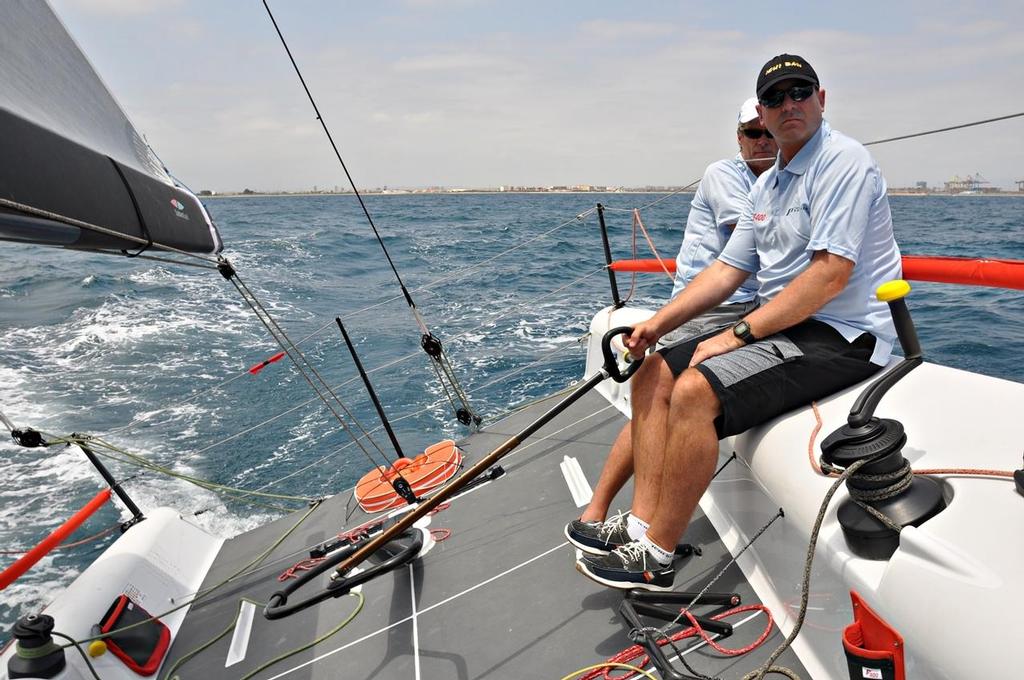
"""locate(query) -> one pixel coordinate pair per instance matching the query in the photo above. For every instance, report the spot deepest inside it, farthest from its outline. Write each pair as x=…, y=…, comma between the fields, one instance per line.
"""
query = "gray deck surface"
x=500, y=598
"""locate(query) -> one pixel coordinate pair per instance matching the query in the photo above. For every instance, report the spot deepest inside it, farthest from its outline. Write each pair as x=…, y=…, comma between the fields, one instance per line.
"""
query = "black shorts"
x=767, y=378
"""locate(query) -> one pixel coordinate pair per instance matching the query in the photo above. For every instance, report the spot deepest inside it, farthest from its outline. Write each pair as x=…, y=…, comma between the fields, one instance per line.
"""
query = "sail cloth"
x=67, y=148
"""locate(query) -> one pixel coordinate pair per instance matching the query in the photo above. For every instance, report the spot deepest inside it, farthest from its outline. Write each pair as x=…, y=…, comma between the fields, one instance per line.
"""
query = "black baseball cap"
x=784, y=67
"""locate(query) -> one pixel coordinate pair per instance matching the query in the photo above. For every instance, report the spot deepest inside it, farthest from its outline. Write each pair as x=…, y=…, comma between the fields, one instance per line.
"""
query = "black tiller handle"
x=611, y=364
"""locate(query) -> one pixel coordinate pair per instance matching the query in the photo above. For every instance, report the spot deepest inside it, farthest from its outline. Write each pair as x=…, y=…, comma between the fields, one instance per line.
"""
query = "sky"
x=475, y=93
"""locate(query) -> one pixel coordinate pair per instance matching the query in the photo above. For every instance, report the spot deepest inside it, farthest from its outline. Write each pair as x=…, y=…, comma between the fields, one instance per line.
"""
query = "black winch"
x=885, y=495
x=37, y=655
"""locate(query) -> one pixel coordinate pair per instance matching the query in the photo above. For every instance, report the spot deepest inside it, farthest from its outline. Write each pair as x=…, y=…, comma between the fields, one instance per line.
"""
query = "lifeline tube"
x=28, y=560
x=966, y=271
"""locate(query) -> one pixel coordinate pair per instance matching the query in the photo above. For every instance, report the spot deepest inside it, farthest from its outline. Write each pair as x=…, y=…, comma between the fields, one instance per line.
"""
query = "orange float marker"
x=425, y=472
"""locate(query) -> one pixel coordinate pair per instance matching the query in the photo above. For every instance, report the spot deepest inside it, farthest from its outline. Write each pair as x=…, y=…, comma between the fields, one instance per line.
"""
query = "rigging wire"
x=945, y=129
x=394, y=362
x=454, y=276
x=430, y=407
x=301, y=363
x=405, y=358
x=431, y=344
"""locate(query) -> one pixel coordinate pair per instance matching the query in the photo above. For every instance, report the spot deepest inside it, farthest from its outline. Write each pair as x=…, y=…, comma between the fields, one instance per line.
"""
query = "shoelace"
x=632, y=552
x=617, y=522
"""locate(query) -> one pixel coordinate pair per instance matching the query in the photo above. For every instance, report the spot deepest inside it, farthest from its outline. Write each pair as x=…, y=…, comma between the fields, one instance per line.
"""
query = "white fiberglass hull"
x=950, y=588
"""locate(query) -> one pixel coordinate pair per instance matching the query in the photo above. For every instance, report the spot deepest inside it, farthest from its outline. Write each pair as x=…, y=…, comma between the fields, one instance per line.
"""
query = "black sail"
x=69, y=156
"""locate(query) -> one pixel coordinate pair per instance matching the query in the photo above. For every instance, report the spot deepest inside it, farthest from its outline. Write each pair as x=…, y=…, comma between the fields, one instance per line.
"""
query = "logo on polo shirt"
x=760, y=217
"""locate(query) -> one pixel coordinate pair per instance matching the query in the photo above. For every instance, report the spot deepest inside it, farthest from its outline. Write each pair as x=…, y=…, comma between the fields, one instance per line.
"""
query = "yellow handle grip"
x=892, y=290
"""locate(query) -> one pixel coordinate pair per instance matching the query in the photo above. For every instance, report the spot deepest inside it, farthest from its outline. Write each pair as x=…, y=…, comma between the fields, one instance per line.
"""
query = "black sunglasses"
x=797, y=93
x=755, y=133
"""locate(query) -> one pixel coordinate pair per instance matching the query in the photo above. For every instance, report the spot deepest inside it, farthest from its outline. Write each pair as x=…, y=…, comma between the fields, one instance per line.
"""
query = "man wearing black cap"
x=818, y=232
x=714, y=212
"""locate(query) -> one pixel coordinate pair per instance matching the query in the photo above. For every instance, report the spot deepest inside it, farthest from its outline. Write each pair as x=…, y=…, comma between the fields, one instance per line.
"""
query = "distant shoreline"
x=1000, y=194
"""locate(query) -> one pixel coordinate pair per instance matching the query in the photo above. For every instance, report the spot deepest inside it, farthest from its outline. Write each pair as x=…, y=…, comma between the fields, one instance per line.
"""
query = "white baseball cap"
x=748, y=111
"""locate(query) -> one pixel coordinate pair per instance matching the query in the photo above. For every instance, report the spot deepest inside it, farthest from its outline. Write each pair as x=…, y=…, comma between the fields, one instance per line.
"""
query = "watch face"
x=742, y=331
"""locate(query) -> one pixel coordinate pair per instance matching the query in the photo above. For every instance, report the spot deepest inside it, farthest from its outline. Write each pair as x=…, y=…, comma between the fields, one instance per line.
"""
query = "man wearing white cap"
x=714, y=211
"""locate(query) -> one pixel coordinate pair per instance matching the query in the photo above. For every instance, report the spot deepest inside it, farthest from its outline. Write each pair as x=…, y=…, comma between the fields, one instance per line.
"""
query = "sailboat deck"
x=499, y=598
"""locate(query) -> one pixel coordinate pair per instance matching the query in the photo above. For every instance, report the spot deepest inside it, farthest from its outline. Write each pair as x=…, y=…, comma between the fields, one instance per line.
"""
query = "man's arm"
x=711, y=287
x=823, y=279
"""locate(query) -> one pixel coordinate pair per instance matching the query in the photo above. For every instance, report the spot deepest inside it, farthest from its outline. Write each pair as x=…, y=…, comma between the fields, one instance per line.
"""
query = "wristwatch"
x=742, y=331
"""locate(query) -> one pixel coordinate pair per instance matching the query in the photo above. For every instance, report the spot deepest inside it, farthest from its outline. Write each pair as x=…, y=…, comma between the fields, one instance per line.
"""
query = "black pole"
x=456, y=485
x=608, y=257
x=137, y=515
x=369, y=388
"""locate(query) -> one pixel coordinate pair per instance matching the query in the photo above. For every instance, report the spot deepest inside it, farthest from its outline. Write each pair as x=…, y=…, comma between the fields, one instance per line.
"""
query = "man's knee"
x=654, y=377
x=692, y=396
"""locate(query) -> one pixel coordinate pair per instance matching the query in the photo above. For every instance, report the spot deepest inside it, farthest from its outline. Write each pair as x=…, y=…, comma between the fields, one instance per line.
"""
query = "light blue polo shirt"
x=715, y=206
x=831, y=197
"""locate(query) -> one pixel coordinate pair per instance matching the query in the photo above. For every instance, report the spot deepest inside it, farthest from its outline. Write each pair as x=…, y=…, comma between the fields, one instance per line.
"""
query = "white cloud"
x=604, y=29
x=446, y=62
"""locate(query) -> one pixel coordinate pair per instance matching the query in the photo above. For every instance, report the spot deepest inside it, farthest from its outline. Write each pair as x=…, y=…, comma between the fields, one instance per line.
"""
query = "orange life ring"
x=427, y=471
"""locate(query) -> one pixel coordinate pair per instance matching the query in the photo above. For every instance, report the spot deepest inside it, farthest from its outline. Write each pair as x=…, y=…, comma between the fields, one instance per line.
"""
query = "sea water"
x=152, y=356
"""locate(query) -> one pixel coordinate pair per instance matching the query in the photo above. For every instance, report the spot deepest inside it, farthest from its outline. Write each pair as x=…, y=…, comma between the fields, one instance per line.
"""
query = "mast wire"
x=299, y=360
x=945, y=129
x=442, y=365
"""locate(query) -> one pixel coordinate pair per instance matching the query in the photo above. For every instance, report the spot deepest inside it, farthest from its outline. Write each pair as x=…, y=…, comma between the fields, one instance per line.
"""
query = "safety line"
x=656, y=202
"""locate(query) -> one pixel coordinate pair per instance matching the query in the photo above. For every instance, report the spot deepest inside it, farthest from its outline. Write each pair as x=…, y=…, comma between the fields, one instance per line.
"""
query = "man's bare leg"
x=651, y=398
x=690, y=451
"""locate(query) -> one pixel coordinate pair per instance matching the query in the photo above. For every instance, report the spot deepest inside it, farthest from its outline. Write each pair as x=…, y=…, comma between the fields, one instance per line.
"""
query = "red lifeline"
x=425, y=472
x=874, y=650
x=11, y=573
x=961, y=270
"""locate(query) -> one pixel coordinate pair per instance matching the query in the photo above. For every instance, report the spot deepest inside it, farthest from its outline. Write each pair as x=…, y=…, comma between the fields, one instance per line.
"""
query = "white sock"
x=636, y=527
x=663, y=557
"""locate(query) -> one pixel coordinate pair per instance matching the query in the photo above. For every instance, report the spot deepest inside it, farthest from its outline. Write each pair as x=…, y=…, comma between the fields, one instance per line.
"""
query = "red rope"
x=304, y=565
x=637, y=222
x=636, y=651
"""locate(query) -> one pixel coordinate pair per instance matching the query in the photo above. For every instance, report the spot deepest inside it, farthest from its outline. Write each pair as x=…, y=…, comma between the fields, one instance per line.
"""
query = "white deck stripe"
x=424, y=611
x=415, y=626
x=240, y=638
x=577, y=482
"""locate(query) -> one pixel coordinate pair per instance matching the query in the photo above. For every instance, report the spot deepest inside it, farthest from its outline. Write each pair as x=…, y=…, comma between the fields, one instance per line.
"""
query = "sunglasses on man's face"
x=797, y=93
x=755, y=133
